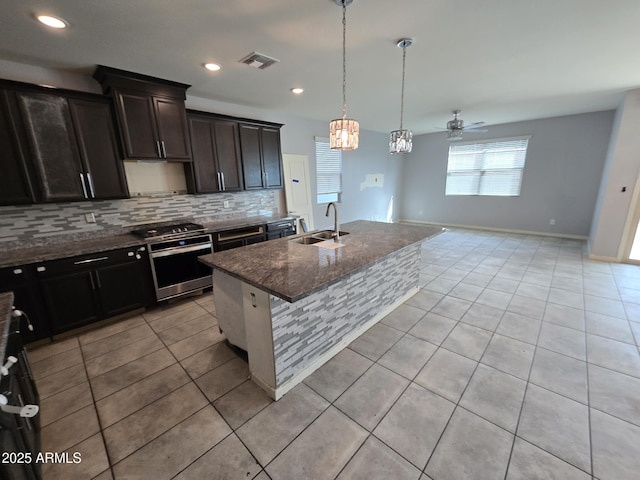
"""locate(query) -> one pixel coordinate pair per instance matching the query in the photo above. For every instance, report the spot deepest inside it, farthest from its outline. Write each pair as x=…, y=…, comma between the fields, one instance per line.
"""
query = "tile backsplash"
x=32, y=224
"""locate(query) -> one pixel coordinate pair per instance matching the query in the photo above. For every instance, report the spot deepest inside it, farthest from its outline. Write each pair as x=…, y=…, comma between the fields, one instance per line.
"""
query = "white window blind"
x=328, y=171
x=492, y=167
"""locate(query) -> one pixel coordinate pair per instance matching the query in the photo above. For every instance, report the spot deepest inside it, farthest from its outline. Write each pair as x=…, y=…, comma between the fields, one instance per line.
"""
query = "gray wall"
x=560, y=181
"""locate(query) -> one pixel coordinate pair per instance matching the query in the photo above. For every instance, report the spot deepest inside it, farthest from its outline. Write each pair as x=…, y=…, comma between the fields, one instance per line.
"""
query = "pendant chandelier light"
x=343, y=132
x=400, y=140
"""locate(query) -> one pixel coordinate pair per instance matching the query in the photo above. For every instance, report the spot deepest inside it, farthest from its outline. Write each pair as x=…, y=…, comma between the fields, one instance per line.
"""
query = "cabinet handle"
x=90, y=260
x=224, y=187
x=84, y=187
x=98, y=279
x=158, y=148
x=11, y=361
x=41, y=269
x=17, y=271
x=164, y=150
x=93, y=285
x=90, y=181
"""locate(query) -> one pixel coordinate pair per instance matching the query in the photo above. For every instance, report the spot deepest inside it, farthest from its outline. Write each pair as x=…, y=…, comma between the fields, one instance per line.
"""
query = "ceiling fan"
x=456, y=127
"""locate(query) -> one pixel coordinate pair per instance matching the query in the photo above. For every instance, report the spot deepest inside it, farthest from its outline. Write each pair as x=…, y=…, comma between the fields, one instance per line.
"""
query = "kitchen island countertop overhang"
x=291, y=271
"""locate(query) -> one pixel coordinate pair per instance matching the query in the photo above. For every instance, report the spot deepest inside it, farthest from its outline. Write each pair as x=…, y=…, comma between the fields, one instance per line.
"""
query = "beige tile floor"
x=518, y=359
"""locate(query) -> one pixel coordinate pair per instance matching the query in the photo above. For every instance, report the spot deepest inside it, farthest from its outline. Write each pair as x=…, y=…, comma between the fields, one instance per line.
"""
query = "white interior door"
x=632, y=250
x=297, y=188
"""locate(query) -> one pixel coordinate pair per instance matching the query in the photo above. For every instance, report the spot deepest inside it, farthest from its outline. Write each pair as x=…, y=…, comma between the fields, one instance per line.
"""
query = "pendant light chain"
x=400, y=141
x=344, y=59
x=404, y=56
x=344, y=132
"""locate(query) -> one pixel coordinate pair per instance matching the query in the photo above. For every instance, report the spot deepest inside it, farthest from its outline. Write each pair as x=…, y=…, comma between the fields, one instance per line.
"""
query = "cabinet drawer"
x=86, y=262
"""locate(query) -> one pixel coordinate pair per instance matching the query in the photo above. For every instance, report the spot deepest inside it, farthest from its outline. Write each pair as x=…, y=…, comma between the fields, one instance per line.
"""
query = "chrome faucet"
x=336, y=233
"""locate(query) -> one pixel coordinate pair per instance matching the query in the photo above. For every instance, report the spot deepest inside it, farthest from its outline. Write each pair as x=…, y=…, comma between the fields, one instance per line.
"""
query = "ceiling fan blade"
x=473, y=125
x=475, y=130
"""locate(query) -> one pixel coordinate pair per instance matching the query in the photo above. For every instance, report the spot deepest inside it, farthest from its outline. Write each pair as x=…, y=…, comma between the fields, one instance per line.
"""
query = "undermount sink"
x=327, y=234
x=317, y=237
x=307, y=240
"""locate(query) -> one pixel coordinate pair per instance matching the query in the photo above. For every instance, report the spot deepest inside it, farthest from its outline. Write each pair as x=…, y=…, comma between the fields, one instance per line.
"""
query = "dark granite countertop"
x=71, y=248
x=232, y=223
x=71, y=245
x=292, y=271
x=6, y=302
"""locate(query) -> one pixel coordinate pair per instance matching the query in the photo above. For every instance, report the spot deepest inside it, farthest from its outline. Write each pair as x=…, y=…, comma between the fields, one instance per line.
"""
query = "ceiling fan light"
x=454, y=135
x=400, y=141
x=343, y=134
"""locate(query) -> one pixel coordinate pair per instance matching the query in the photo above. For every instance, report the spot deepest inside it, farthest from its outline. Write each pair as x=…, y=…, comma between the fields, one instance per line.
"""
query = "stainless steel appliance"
x=174, y=252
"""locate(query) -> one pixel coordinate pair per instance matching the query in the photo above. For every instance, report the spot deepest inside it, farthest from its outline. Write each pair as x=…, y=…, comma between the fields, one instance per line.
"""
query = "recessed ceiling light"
x=213, y=67
x=53, y=22
x=297, y=90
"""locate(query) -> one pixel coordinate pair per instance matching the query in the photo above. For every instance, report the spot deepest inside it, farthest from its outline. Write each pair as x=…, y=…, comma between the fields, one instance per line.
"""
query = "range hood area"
x=154, y=178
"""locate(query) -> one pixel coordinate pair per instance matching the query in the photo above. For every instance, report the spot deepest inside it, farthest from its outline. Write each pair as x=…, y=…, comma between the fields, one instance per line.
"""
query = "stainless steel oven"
x=174, y=252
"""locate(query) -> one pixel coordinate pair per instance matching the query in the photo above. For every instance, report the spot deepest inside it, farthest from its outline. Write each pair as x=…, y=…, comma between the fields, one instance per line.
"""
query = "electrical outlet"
x=226, y=204
x=552, y=221
x=90, y=217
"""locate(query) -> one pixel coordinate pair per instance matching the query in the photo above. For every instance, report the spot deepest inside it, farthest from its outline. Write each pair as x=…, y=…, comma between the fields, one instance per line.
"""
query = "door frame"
x=631, y=226
x=286, y=157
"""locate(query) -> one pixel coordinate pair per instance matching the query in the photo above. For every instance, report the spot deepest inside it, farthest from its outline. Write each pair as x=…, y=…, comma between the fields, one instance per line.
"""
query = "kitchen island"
x=293, y=305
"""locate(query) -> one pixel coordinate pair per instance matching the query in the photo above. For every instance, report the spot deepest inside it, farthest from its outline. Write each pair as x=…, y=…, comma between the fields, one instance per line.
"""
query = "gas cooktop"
x=176, y=230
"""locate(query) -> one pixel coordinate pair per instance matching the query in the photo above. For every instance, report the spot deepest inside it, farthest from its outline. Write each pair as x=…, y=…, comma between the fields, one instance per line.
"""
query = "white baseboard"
x=601, y=258
x=495, y=229
x=333, y=351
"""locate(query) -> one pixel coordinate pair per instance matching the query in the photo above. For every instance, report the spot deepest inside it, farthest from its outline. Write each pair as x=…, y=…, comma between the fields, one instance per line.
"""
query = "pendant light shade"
x=400, y=141
x=344, y=132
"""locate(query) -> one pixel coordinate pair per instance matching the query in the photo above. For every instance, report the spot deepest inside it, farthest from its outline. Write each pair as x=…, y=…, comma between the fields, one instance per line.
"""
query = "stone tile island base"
x=287, y=341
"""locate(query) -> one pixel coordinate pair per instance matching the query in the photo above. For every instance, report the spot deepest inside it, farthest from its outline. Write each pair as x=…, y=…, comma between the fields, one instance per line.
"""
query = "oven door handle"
x=178, y=250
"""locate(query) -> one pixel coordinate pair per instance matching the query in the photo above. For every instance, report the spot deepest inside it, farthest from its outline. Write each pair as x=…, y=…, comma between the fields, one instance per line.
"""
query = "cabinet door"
x=15, y=184
x=21, y=281
x=203, y=151
x=172, y=128
x=228, y=154
x=71, y=300
x=120, y=288
x=251, y=157
x=271, y=158
x=137, y=124
x=53, y=146
x=98, y=146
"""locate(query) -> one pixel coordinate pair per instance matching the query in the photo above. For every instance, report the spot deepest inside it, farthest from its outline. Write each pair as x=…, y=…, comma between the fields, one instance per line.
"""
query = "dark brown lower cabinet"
x=22, y=282
x=82, y=290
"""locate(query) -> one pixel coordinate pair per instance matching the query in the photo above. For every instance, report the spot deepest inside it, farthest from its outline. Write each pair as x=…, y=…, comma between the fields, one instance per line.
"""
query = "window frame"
x=324, y=195
x=483, y=170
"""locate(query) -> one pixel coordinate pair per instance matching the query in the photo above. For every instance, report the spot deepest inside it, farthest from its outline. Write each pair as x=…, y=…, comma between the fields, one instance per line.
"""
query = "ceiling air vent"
x=258, y=60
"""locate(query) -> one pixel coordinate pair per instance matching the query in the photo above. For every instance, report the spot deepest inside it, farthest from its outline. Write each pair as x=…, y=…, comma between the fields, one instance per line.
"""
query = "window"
x=492, y=167
x=328, y=172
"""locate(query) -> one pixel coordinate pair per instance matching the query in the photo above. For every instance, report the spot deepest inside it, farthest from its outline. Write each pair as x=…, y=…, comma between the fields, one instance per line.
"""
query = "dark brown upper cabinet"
x=151, y=114
x=15, y=181
x=70, y=145
x=261, y=156
x=215, y=149
x=94, y=125
x=52, y=144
